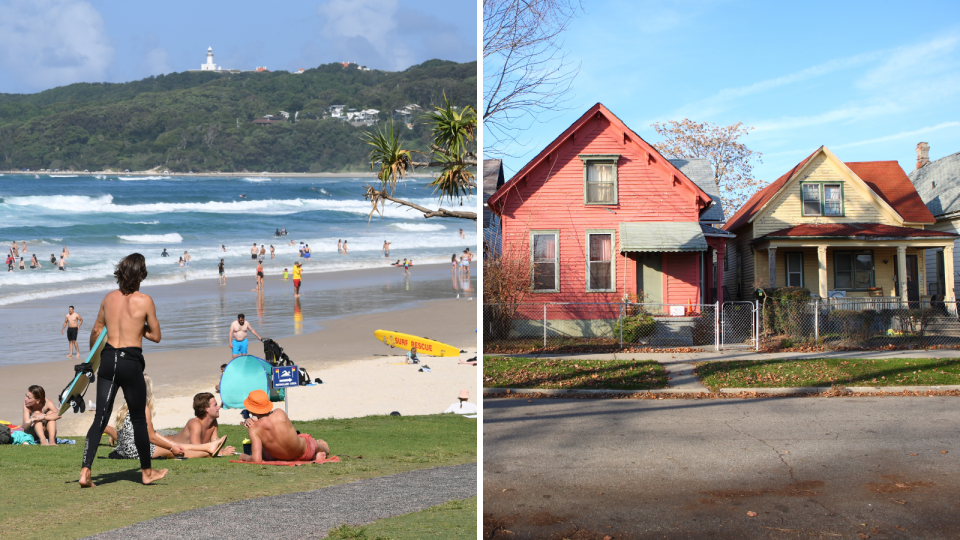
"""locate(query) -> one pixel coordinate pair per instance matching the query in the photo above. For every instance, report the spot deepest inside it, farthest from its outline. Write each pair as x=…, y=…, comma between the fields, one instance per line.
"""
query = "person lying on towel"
x=273, y=437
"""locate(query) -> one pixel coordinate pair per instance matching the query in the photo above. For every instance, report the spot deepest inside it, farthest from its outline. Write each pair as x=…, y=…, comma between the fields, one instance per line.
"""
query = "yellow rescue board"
x=423, y=345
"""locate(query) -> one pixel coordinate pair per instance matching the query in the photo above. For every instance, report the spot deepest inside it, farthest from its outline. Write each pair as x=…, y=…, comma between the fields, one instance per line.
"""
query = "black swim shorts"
x=253, y=256
x=71, y=334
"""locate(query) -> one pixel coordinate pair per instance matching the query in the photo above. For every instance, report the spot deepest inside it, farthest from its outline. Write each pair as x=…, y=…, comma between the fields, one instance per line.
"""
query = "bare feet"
x=214, y=447
x=85, y=480
x=152, y=475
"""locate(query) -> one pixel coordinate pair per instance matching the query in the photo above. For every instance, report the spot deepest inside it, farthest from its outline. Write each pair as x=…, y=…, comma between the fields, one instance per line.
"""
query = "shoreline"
x=360, y=174
x=358, y=371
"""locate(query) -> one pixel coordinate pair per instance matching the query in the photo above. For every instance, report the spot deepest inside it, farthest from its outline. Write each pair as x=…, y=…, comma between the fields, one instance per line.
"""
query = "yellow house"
x=836, y=229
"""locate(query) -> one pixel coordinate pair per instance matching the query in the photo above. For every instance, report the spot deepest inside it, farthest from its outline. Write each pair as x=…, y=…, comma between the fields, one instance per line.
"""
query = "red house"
x=602, y=214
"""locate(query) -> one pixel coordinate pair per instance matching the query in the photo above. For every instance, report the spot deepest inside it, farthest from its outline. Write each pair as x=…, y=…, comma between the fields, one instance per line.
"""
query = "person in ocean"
x=66, y=252
x=344, y=247
x=62, y=263
x=22, y=267
x=186, y=259
x=306, y=251
x=181, y=262
x=223, y=277
x=164, y=254
x=386, y=248
x=276, y=233
x=34, y=263
x=340, y=246
x=53, y=259
x=271, y=251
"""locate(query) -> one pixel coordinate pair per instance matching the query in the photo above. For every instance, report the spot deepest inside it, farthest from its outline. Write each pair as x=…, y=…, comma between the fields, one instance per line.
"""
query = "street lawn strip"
x=49, y=503
x=574, y=374
x=453, y=520
x=822, y=372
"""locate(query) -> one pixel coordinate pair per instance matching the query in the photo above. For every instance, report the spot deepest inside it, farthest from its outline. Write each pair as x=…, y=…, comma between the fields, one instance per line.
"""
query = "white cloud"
x=901, y=135
x=366, y=25
x=51, y=43
x=845, y=113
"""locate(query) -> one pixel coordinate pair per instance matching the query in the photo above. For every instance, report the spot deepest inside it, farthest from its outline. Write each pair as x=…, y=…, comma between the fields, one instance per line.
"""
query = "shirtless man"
x=73, y=321
x=253, y=251
x=39, y=409
x=186, y=259
x=273, y=437
x=386, y=248
x=62, y=263
x=238, y=336
x=66, y=252
x=203, y=428
x=130, y=316
x=263, y=251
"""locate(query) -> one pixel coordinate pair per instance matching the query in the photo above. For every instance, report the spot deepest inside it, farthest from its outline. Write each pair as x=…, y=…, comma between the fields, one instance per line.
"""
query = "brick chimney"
x=923, y=154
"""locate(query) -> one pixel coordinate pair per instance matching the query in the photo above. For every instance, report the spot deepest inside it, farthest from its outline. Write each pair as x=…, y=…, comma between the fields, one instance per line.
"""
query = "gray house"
x=938, y=183
x=492, y=180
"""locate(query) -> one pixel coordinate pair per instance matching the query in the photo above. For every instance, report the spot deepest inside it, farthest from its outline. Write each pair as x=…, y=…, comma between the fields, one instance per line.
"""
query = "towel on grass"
x=331, y=459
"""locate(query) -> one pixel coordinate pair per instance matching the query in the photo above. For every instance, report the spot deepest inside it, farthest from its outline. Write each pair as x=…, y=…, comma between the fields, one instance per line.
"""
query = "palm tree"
x=454, y=133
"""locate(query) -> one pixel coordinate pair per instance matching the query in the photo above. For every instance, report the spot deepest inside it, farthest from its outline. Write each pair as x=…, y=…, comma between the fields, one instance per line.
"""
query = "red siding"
x=551, y=198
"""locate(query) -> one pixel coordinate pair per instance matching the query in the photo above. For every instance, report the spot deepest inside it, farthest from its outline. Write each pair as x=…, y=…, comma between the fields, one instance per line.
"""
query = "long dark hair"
x=38, y=393
x=130, y=271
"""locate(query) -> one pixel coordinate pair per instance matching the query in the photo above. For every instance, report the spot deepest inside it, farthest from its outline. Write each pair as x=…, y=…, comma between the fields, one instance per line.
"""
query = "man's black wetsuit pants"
x=123, y=369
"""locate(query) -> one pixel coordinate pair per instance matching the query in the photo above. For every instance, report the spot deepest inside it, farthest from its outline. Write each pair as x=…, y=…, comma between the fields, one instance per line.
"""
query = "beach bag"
x=5, y=437
x=273, y=353
x=304, y=377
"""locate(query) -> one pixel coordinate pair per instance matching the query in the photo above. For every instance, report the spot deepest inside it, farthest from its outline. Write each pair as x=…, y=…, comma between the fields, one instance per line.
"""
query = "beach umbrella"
x=243, y=375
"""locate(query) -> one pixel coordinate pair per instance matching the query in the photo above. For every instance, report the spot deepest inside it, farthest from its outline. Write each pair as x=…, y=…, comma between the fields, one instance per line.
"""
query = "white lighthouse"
x=209, y=66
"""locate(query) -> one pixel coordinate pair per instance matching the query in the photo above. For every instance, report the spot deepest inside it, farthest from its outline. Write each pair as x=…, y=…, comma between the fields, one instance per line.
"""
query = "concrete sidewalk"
x=311, y=514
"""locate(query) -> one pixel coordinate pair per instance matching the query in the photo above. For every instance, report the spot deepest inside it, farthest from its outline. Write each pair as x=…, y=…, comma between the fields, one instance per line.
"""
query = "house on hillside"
x=938, y=184
x=602, y=215
x=492, y=180
x=856, y=229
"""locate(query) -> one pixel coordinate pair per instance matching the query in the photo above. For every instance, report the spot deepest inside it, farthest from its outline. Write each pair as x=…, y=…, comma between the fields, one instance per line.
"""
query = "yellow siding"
x=883, y=273
x=786, y=209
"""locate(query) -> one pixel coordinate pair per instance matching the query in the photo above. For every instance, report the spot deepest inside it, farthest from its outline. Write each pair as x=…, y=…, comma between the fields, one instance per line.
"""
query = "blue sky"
x=867, y=79
x=49, y=43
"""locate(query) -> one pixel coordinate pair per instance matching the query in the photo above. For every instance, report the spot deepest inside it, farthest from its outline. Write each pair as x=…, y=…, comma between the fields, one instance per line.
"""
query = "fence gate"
x=738, y=325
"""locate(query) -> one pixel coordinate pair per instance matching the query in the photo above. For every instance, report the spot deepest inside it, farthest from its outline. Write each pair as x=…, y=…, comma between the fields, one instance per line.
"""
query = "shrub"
x=635, y=326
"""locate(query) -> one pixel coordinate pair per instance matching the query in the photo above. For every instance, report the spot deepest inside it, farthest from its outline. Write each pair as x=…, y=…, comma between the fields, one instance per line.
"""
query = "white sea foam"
x=131, y=178
x=63, y=176
x=172, y=238
x=259, y=179
x=325, y=192
x=82, y=204
x=142, y=222
x=419, y=227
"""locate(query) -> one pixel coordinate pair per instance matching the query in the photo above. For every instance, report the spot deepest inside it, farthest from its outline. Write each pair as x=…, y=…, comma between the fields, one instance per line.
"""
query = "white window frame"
x=613, y=259
x=556, y=261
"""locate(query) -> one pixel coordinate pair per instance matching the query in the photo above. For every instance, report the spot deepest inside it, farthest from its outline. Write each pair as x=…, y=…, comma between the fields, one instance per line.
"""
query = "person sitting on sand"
x=39, y=409
x=462, y=406
x=412, y=356
x=160, y=446
x=273, y=437
x=202, y=429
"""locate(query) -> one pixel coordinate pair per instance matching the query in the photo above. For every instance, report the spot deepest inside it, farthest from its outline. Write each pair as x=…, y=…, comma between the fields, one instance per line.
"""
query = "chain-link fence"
x=836, y=323
x=868, y=323
x=597, y=327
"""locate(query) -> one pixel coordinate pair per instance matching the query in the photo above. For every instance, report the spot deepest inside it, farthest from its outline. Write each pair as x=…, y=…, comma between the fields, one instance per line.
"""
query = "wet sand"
x=357, y=370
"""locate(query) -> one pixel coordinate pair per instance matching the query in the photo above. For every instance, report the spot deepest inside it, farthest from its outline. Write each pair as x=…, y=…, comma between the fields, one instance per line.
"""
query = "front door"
x=650, y=277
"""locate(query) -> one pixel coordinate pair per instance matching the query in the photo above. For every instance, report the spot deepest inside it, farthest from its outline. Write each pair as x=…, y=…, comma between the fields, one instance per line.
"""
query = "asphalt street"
x=311, y=514
x=882, y=468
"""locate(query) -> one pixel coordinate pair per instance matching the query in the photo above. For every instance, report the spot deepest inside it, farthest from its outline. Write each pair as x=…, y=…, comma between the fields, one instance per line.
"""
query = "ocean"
x=102, y=219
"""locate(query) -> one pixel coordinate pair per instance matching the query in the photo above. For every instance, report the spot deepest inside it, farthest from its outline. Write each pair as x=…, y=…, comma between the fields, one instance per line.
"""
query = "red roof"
x=885, y=178
x=492, y=202
x=855, y=230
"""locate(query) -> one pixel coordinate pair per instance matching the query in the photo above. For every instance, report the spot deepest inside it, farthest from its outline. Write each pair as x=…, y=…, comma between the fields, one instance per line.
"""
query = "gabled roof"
x=760, y=198
x=854, y=230
x=885, y=178
x=492, y=180
x=701, y=172
x=628, y=133
x=938, y=184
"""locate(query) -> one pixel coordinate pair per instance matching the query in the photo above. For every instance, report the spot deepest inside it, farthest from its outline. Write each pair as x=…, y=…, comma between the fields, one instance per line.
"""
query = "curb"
x=565, y=391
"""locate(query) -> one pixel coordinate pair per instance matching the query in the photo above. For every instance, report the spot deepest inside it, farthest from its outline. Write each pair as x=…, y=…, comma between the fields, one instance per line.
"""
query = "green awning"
x=662, y=236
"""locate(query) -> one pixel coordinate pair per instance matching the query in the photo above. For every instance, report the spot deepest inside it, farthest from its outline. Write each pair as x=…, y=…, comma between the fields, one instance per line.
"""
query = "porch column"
x=822, y=271
x=902, y=271
x=772, y=263
x=949, y=294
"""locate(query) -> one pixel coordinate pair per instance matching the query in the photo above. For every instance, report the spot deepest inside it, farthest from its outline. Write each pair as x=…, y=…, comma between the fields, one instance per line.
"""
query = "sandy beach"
x=359, y=373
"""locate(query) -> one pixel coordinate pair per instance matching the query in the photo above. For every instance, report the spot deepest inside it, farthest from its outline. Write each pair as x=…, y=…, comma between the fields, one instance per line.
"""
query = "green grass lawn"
x=785, y=373
x=507, y=372
x=43, y=499
x=453, y=520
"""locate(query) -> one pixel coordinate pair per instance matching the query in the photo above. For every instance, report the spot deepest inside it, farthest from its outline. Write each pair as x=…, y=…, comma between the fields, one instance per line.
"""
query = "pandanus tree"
x=452, y=152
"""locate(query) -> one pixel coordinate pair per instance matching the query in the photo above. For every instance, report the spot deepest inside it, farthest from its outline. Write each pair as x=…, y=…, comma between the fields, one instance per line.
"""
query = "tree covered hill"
x=189, y=121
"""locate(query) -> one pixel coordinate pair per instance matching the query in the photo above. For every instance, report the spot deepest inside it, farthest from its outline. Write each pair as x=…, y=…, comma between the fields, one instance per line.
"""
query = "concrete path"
x=311, y=514
x=744, y=354
x=841, y=468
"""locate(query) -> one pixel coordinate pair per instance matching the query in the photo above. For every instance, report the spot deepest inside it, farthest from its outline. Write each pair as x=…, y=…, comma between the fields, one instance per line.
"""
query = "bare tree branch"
x=525, y=72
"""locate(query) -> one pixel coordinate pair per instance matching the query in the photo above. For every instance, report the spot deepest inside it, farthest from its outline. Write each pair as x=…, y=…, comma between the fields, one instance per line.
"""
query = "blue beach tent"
x=243, y=375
